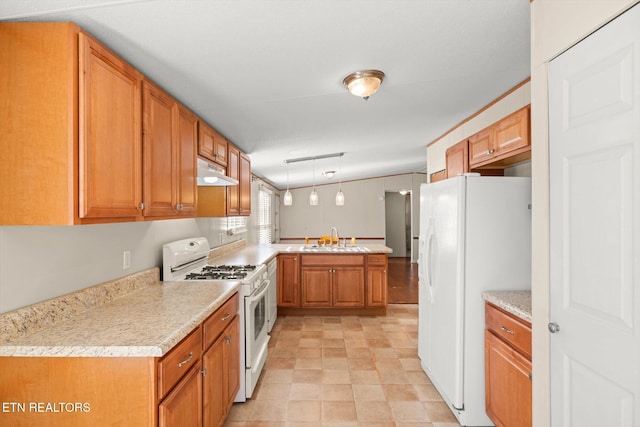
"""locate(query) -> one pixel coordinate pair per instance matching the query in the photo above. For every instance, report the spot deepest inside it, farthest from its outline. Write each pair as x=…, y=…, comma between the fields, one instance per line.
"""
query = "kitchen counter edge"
x=517, y=303
x=145, y=322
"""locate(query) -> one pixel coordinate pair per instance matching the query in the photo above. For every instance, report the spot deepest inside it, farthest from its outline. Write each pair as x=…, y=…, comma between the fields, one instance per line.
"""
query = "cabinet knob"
x=179, y=206
x=227, y=339
x=141, y=206
x=553, y=327
x=490, y=151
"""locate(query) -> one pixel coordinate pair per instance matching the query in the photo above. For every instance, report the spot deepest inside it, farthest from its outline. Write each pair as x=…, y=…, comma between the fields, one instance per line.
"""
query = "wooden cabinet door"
x=512, y=132
x=220, y=150
x=316, y=286
x=376, y=286
x=186, y=162
x=233, y=191
x=110, y=150
x=457, y=159
x=348, y=287
x=183, y=406
x=481, y=146
x=213, y=396
x=288, y=281
x=244, y=192
x=507, y=384
x=211, y=145
x=169, y=142
x=159, y=134
x=231, y=357
x=221, y=364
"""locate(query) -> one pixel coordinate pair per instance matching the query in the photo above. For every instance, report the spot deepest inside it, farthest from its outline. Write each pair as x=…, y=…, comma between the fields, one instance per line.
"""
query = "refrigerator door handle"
x=429, y=261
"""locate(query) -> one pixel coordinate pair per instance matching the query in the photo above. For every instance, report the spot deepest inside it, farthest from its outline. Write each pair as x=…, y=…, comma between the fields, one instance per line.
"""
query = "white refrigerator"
x=475, y=236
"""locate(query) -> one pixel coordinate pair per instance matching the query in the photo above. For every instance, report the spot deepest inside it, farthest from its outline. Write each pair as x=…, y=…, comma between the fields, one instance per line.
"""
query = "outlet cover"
x=126, y=260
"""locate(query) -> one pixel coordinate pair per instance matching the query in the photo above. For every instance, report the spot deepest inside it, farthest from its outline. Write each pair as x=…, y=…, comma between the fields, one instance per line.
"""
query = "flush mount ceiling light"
x=329, y=174
x=363, y=83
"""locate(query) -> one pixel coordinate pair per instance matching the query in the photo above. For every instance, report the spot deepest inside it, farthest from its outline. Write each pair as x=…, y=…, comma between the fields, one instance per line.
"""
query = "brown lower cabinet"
x=507, y=368
x=194, y=384
x=332, y=281
x=221, y=375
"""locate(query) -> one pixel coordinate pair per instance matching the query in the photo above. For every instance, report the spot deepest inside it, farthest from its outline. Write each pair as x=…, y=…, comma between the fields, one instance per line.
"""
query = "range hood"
x=210, y=174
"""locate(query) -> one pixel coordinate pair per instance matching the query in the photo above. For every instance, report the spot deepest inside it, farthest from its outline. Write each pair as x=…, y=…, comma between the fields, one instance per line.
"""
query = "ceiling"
x=267, y=74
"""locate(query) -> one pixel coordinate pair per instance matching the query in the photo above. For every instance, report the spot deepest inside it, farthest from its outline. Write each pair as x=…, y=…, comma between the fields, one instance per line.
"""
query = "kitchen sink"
x=318, y=248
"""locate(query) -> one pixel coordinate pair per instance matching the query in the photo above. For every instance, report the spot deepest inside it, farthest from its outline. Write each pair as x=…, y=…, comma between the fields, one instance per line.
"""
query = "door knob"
x=553, y=327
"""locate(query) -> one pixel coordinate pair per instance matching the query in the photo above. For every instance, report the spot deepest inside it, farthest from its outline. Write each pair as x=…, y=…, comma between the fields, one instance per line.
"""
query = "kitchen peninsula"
x=76, y=351
x=320, y=280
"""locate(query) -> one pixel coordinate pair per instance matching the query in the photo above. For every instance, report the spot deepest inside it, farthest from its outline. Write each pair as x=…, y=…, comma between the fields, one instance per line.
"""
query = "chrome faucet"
x=331, y=236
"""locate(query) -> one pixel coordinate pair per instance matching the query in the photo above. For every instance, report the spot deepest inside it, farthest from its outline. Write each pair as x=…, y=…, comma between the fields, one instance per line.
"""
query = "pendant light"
x=288, y=198
x=313, y=197
x=340, y=194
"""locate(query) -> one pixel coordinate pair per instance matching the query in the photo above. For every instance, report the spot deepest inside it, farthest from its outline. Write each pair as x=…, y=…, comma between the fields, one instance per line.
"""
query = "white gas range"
x=188, y=259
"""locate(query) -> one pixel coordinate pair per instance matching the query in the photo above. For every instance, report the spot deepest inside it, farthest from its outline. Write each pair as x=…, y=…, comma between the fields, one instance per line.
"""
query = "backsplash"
x=42, y=262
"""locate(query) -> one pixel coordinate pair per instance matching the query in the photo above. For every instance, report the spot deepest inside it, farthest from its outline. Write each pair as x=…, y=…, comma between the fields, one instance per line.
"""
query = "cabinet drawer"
x=220, y=319
x=178, y=361
x=514, y=331
x=332, y=260
x=377, y=259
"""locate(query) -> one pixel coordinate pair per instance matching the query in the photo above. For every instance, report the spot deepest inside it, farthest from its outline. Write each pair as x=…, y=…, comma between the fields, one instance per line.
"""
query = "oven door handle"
x=265, y=287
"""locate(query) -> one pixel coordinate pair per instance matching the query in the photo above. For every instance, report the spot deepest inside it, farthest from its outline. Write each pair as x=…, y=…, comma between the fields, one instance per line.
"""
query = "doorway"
x=397, y=207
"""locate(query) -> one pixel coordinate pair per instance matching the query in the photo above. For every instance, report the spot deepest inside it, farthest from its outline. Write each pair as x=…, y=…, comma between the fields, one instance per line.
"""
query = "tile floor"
x=344, y=371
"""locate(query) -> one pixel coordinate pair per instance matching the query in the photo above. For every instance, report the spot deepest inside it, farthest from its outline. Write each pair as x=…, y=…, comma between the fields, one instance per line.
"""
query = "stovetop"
x=221, y=272
x=187, y=259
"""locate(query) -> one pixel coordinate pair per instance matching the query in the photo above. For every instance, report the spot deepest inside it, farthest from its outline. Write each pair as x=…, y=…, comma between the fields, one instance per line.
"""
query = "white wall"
x=362, y=216
x=507, y=105
x=39, y=263
x=556, y=25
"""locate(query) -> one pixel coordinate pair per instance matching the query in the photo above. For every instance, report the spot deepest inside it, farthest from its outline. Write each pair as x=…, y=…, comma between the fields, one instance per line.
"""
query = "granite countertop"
x=517, y=303
x=146, y=322
x=263, y=253
x=135, y=316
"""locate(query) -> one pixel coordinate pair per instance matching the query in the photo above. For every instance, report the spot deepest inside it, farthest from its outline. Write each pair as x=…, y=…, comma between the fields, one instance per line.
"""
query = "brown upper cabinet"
x=73, y=134
x=234, y=200
x=71, y=128
x=457, y=159
x=238, y=196
x=490, y=151
x=244, y=188
x=169, y=146
x=502, y=144
x=211, y=145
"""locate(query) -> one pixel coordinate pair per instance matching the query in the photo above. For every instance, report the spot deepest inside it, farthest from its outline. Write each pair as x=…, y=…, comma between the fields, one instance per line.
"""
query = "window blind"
x=264, y=224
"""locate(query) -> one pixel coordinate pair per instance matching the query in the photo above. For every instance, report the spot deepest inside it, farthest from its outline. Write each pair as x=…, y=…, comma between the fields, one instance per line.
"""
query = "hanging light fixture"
x=363, y=83
x=313, y=197
x=288, y=197
x=340, y=194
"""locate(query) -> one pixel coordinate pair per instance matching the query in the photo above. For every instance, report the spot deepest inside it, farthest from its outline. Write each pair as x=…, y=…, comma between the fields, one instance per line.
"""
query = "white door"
x=594, y=132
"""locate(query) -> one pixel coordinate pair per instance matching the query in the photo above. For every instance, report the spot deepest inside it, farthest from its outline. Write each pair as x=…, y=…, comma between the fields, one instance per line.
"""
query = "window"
x=264, y=224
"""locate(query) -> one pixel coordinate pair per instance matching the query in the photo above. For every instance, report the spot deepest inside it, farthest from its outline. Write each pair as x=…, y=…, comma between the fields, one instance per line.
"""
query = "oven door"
x=256, y=337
